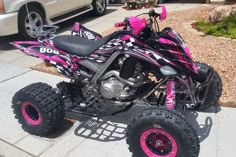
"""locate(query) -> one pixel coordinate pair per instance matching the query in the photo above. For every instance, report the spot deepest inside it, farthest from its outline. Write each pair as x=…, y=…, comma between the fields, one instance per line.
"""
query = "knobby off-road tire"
x=160, y=132
x=38, y=109
x=215, y=88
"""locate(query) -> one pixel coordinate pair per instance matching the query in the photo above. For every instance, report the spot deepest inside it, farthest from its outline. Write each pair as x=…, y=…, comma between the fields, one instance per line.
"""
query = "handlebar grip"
x=120, y=24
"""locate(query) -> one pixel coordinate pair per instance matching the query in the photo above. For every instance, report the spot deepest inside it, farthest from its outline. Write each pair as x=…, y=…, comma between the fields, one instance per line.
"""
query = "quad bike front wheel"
x=158, y=132
x=215, y=88
x=38, y=109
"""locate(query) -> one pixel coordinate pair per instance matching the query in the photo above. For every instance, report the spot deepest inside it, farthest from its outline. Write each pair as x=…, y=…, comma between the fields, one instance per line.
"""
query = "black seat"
x=78, y=46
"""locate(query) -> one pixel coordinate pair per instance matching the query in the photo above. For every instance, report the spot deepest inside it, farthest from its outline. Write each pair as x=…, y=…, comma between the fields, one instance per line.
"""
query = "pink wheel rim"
x=160, y=139
x=30, y=113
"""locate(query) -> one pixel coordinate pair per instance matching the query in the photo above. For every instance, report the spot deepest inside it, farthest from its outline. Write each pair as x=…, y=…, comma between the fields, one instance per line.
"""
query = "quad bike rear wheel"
x=215, y=88
x=38, y=109
x=158, y=132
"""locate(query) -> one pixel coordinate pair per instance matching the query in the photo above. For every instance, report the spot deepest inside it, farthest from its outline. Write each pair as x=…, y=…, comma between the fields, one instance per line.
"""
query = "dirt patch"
x=216, y=52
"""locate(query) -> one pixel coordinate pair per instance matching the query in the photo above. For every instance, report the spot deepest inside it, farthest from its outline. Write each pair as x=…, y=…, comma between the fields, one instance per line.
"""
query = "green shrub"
x=226, y=27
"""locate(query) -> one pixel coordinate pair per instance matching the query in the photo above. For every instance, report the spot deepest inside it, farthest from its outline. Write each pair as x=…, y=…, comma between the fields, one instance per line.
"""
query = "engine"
x=122, y=84
x=112, y=88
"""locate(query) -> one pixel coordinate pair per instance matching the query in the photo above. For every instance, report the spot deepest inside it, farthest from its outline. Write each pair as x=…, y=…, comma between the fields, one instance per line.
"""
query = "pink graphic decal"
x=182, y=58
x=33, y=118
x=76, y=59
x=160, y=140
x=126, y=37
x=144, y=57
x=195, y=68
x=21, y=45
x=175, y=52
x=76, y=27
x=59, y=60
x=170, y=94
x=137, y=24
x=163, y=13
x=171, y=34
x=98, y=38
x=166, y=41
x=186, y=49
x=26, y=42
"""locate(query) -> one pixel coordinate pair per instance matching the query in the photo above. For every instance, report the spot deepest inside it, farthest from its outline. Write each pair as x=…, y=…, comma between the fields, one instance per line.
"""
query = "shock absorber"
x=170, y=94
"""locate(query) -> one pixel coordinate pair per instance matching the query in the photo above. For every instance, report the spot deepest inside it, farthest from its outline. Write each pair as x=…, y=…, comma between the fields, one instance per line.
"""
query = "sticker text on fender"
x=47, y=50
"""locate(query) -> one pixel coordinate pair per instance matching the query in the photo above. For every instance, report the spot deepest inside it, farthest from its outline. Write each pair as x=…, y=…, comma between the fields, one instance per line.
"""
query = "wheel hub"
x=33, y=24
x=157, y=143
x=30, y=113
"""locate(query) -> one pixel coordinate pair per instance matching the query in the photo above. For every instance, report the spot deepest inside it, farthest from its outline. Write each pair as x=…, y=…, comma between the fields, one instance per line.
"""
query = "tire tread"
x=47, y=101
x=174, y=117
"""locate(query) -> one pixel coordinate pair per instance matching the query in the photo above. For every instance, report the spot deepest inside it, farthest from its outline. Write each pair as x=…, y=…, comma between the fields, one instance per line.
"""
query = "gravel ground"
x=218, y=53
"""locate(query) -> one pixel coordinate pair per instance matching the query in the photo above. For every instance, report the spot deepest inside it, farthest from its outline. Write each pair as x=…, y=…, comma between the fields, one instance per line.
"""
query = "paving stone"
x=200, y=33
x=64, y=144
x=11, y=130
x=34, y=145
x=226, y=139
x=91, y=148
x=9, y=71
x=7, y=150
x=99, y=28
x=26, y=61
x=205, y=123
x=224, y=38
x=12, y=55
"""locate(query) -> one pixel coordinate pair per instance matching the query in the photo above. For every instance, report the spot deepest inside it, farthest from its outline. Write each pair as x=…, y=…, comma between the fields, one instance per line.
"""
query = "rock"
x=233, y=10
x=220, y=12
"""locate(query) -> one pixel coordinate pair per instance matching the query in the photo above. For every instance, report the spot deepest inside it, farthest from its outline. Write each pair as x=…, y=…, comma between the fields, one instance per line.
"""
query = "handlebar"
x=153, y=13
x=120, y=24
x=137, y=25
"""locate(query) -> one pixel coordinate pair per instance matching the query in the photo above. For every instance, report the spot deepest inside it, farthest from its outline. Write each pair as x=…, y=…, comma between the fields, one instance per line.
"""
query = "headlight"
x=167, y=70
x=2, y=10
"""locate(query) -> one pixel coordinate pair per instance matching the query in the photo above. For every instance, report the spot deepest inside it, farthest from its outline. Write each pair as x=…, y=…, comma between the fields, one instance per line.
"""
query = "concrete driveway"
x=88, y=137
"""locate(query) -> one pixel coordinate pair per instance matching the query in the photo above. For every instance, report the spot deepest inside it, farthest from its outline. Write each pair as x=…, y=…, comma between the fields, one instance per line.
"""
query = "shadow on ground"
x=114, y=128
x=66, y=125
x=107, y=128
x=204, y=127
x=64, y=26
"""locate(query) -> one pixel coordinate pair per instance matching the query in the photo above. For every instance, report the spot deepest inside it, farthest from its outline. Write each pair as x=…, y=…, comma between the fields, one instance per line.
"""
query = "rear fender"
x=63, y=62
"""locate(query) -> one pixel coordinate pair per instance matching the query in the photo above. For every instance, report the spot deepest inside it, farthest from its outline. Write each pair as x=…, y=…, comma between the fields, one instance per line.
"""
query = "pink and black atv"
x=137, y=65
